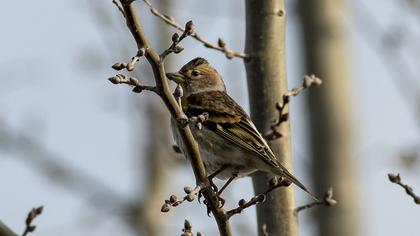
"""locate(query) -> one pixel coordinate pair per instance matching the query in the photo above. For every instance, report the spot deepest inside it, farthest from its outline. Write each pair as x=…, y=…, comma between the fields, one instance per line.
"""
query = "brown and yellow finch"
x=229, y=143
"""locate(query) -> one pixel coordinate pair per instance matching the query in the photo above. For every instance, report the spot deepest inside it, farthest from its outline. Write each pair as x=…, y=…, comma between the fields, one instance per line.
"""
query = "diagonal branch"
x=396, y=179
x=163, y=90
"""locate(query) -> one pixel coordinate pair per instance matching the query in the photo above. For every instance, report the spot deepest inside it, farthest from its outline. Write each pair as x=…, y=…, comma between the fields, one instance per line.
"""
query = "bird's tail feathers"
x=286, y=174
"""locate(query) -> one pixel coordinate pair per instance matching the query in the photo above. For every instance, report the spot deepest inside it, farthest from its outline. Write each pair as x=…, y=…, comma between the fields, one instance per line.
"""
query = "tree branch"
x=6, y=231
x=267, y=82
x=163, y=90
x=31, y=216
x=327, y=200
x=187, y=230
x=308, y=81
x=221, y=47
x=396, y=179
x=175, y=201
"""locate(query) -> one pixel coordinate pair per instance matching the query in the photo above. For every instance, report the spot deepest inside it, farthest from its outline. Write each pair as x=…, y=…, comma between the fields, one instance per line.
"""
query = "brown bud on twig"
x=183, y=121
x=170, y=18
x=31, y=216
x=284, y=117
x=189, y=28
x=141, y=52
x=178, y=49
x=188, y=190
x=119, y=66
x=114, y=80
x=328, y=198
x=394, y=178
x=310, y=80
x=187, y=229
x=134, y=81
x=221, y=43
x=286, y=99
x=175, y=38
x=229, y=54
x=173, y=198
x=274, y=132
x=190, y=197
x=187, y=225
x=165, y=207
x=261, y=198
x=137, y=89
x=130, y=66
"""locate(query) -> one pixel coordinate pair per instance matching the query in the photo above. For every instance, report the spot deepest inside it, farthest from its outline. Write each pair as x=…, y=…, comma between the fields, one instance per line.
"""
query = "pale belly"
x=218, y=153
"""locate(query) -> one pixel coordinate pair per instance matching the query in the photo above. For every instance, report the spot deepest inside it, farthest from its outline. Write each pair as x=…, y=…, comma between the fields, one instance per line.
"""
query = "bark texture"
x=267, y=82
x=330, y=114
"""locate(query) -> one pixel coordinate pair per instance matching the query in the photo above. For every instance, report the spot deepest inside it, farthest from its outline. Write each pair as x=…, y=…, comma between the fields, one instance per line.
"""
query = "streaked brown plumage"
x=228, y=138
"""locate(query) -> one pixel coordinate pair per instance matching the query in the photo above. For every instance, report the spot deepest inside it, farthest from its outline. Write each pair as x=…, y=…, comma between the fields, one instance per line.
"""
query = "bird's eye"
x=195, y=73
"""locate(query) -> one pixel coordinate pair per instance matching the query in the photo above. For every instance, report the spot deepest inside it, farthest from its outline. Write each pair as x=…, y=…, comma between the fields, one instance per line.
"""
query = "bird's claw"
x=200, y=195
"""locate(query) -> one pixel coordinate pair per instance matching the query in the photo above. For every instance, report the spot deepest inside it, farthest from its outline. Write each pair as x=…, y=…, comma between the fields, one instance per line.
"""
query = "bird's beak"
x=176, y=77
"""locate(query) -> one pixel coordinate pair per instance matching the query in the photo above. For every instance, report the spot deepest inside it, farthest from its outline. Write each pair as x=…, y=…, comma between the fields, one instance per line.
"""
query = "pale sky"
x=56, y=57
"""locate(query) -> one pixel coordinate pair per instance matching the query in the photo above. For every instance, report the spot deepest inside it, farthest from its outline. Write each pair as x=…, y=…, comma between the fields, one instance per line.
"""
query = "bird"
x=230, y=144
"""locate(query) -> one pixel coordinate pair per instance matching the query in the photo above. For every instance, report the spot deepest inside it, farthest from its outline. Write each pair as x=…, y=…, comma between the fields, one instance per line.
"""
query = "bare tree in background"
x=267, y=82
x=159, y=157
x=267, y=85
x=330, y=115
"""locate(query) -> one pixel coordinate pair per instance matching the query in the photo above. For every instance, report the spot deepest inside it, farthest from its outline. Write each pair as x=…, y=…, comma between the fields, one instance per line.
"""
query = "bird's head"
x=198, y=76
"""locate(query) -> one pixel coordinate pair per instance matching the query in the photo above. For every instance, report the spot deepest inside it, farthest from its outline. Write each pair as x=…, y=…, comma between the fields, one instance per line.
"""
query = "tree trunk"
x=267, y=82
x=330, y=115
x=6, y=231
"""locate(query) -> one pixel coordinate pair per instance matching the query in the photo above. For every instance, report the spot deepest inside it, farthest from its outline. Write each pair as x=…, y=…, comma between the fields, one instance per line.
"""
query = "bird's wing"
x=229, y=121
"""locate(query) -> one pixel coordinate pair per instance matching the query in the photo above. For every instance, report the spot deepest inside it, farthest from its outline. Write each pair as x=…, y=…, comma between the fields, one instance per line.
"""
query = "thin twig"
x=176, y=39
x=187, y=230
x=138, y=88
x=195, y=120
x=274, y=183
x=174, y=201
x=119, y=7
x=221, y=44
x=327, y=200
x=396, y=179
x=130, y=66
x=245, y=204
x=308, y=81
x=31, y=216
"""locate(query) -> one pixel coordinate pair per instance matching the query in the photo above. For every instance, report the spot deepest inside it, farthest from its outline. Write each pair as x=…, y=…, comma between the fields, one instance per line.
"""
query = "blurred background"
x=99, y=157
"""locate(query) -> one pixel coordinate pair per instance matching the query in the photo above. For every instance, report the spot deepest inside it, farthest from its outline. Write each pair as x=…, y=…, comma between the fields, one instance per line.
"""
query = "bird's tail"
x=286, y=174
